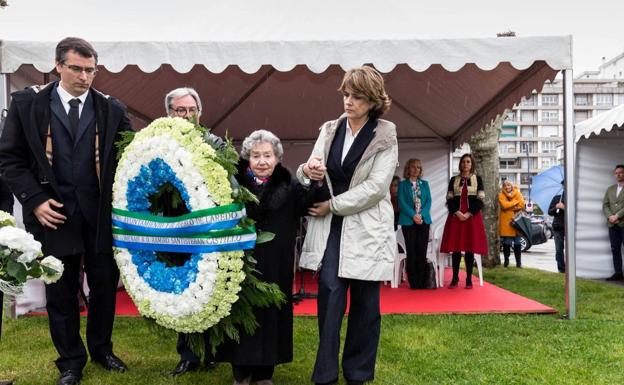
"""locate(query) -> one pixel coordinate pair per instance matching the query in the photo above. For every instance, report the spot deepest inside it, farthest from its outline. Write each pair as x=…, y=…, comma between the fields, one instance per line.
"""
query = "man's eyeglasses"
x=183, y=111
x=90, y=71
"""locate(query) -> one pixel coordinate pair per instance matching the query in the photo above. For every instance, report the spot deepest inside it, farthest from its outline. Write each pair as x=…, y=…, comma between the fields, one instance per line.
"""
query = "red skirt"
x=464, y=236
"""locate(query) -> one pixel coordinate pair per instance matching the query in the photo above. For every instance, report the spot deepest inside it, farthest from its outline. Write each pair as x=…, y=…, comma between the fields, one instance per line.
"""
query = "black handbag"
x=430, y=276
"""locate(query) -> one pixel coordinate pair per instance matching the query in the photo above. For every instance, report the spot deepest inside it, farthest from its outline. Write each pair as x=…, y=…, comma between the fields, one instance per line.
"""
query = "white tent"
x=600, y=141
x=277, y=64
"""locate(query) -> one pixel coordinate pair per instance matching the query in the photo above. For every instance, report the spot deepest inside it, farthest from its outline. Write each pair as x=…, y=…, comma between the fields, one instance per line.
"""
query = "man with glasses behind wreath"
x=185, y=103
x=57, y=155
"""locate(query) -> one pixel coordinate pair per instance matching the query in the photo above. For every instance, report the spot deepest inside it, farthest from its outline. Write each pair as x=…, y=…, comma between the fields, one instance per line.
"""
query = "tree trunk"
x=484, y=148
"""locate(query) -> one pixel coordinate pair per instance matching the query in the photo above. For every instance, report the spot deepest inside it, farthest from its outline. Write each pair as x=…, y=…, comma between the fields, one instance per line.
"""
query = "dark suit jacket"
x=557, y=214
x=26, y=170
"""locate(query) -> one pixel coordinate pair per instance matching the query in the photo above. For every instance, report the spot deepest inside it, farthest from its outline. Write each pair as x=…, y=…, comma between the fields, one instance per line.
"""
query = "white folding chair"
x=432, y=255
x=442, y=259
x=477, y=258
x=399, y=260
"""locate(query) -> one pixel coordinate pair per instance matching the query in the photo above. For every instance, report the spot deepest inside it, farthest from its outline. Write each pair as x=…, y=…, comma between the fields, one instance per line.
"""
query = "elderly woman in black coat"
x=282, y=202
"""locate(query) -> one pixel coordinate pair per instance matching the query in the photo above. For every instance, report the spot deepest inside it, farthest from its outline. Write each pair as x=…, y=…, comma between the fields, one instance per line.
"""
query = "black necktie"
x=74, y=117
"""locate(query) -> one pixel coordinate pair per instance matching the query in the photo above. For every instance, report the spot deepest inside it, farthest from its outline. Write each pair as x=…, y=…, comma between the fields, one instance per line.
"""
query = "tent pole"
x=4, y=91
x=570, y=192
x=450, y=160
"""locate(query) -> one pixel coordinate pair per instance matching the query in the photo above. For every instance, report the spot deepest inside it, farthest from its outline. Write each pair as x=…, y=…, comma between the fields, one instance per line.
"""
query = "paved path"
x=541, y=257
x=538, y=257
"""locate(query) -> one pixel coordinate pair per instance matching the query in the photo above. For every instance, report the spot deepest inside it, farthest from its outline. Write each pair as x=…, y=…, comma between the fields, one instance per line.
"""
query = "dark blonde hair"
x=472, y=163
x=369, y=83
x=408, y=164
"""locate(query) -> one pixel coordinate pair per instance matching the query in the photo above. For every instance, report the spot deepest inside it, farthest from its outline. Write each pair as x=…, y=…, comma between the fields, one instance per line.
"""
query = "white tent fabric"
x=597, y=156
x=285, y=55
x=606, y=121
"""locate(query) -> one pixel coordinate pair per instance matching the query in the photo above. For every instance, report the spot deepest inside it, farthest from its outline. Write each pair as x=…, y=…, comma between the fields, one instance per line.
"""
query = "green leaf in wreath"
x=123, y=142
x=247, y=196
x=264, y=236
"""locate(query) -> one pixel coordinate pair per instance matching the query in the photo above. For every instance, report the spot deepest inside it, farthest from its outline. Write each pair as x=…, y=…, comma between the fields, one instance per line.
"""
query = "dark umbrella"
x=523, y=224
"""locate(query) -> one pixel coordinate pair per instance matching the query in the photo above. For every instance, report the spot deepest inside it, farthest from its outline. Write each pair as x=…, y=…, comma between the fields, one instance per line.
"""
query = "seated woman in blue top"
x=414, y=217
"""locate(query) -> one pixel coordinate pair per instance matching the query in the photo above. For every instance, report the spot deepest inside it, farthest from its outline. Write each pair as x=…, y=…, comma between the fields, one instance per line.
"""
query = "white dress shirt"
x=66, y=97
x=349, y=139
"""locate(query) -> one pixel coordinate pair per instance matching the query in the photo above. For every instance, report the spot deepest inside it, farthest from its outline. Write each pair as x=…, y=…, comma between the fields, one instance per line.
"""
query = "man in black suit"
x=6, y=205
x=57, y=155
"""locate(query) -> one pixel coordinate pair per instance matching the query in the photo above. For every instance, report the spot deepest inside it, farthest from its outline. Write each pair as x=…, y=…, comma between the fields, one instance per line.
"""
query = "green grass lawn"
x=423, y=349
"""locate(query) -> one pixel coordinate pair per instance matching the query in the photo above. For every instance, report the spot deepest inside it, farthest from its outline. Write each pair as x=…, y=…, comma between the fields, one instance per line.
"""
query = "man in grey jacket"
x=613, y=209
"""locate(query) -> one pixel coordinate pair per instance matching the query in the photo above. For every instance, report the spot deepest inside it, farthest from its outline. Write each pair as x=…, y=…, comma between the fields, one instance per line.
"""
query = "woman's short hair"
x=366, y=81
x=409, y=164
x=179, y=93
x=472, y=163
x=262, y=136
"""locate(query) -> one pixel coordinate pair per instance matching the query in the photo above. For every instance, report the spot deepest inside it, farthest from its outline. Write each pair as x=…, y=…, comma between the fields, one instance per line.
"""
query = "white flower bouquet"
x=21, y=258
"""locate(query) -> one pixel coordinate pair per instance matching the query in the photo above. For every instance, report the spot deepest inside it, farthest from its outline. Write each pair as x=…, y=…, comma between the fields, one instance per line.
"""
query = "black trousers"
x=257, y=373
x=63, y=309
x=416, y=241
x=186, y=354
x=616, y=238
x=364, y=325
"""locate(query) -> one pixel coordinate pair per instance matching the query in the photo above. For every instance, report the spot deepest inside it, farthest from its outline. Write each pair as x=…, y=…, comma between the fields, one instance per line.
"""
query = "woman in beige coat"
x=511, y=202
x=350, y=239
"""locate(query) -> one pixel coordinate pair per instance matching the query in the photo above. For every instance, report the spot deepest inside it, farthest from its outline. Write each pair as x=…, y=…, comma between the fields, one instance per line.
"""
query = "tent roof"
x=276, y=64
x=606, y=121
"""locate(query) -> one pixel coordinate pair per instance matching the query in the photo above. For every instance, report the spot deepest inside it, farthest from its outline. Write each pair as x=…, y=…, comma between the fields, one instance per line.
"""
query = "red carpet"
x=481, y=299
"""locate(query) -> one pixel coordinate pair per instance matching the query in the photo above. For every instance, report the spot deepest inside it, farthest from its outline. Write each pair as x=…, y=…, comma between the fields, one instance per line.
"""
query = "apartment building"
x=532, y=134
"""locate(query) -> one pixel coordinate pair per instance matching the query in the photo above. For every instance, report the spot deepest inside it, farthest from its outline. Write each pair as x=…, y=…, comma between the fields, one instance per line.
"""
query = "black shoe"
x=112, y=362
x=6, y=382
x=616, y=277
x=210, y=365
x=454, y=283
x=468, y=284
x=69, y=377
x=184, y=366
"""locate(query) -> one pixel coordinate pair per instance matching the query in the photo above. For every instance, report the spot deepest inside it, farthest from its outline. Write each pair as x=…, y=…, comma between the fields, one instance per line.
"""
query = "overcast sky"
x=596, y=26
